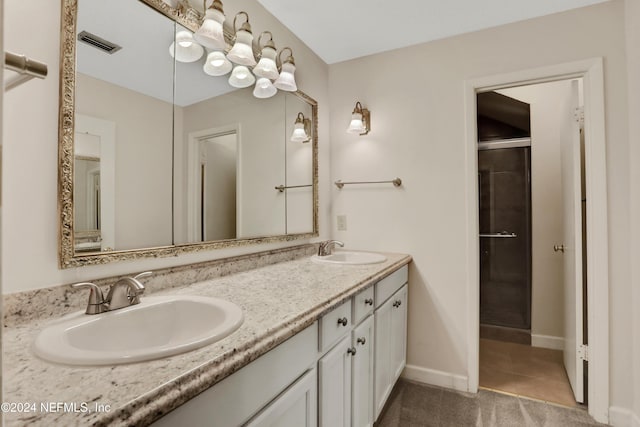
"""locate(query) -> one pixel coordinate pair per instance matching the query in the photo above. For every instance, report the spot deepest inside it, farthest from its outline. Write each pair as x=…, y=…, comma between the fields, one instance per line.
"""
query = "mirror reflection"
x=166, y=154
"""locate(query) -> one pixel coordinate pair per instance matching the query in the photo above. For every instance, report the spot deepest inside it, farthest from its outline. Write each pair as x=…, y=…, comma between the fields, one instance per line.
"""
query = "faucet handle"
x=96, y=298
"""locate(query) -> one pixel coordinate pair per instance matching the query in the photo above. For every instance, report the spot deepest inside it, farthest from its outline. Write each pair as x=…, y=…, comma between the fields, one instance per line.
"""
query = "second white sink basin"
x=155, y=328
x=350, y=258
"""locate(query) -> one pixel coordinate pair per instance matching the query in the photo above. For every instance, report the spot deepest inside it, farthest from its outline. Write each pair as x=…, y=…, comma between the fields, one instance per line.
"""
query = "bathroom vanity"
x=320, y=345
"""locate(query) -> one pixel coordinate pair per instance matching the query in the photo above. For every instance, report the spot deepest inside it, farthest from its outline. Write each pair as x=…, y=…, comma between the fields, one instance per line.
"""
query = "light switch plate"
x=342, y=222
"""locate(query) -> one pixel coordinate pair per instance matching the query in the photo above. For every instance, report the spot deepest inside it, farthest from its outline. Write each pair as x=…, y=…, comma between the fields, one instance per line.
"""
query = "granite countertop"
x=278, y=301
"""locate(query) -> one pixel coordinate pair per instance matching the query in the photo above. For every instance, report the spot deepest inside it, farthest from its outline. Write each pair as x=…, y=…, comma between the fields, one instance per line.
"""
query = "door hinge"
x=578, y=115
x=583, y=352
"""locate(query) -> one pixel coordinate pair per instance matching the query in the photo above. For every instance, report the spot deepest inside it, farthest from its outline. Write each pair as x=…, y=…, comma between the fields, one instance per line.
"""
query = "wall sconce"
x=211, y=33
x=185, y=49
x=360, y=120
x=217, y=64
x=301, y=129
x=241, y=77
x=242, y=51
x=267, y=67
x=286, y=80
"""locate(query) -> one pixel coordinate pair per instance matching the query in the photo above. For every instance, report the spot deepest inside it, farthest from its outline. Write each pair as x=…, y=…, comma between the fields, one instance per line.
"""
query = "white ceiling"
x=339, y=30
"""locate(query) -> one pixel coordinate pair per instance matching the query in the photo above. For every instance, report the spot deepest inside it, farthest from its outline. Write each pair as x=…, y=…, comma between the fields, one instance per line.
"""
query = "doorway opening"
x=530, y=190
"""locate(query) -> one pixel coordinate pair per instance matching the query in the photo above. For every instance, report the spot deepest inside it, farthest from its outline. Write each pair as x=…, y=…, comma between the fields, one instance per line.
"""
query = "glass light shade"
x=299, y=134
x=267, y=65
x=242, y=53
x=186, y=50
x=356, y=125
x=286, y=81
x=264, y=88
x=241, y=77
x=217, y=64
x=210, y=33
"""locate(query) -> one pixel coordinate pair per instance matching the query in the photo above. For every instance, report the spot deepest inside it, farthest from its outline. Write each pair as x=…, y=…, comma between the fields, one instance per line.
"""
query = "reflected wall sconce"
x=301, y=129
x=184, y=48
x=360, y=120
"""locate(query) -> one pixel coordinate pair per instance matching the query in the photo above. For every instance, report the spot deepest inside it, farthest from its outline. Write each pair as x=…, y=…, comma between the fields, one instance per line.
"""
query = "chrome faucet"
x=325, y=247
x=123, y=293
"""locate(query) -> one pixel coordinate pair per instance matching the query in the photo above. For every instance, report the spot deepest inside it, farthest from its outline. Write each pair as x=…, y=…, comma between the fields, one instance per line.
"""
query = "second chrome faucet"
x=124, y=293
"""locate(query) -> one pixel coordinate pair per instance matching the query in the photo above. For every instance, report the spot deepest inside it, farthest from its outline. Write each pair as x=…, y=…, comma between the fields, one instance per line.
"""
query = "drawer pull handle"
x=352, y=351
x=368, y=301
x=361, y=340
x=343, y=321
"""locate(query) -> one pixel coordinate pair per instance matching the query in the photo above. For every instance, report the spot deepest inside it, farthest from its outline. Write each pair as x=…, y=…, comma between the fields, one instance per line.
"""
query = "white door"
x=334, y=386
x=572, y=242
x=383, y=349
x=362, y=385
x=399, y=333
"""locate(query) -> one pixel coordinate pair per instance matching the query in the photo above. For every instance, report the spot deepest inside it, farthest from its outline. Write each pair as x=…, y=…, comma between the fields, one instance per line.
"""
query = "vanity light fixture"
x=242, y=51
x=360, y=120
x=211, y=33
x=217, y=64
x=184, y=48
x=301, y=129
x=264, y=88
x=241, y=77
x=267, y=64
x=286, y=80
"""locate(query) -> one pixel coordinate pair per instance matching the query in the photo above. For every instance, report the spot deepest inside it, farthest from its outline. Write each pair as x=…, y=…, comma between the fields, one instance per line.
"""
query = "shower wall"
x=505, y=237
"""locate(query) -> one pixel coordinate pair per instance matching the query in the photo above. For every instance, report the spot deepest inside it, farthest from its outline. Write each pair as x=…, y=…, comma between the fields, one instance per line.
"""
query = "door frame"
x=591, y=71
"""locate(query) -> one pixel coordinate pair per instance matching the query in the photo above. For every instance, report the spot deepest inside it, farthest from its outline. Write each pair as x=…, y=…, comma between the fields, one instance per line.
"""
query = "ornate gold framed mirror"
x=158, y=158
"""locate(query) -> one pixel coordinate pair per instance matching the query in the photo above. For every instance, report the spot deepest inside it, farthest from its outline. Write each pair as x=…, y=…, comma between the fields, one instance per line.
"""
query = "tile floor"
x=525, y=371
x=412, y=405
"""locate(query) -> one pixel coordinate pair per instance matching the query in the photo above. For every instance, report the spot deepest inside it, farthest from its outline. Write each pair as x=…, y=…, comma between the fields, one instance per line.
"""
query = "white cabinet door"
x=362, y=380
x=334, y=373
x=390, y=345
x=398, y=333
x=295, y=407
x=383, y=334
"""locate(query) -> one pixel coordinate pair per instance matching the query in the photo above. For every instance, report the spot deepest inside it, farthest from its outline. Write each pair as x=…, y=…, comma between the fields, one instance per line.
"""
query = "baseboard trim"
x=547, y=341
x=622, y=417
x=435, y=377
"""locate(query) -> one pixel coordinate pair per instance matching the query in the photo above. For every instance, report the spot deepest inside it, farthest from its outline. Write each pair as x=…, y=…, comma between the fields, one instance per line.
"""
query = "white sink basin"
x=349, y=258
x=155, y=328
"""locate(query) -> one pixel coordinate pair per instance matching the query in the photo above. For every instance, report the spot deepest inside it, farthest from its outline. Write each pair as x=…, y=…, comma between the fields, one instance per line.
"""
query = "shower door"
x=505, y=237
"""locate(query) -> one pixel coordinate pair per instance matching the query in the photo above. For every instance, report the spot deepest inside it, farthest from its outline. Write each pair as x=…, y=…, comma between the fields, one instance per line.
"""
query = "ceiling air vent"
x=98, y=42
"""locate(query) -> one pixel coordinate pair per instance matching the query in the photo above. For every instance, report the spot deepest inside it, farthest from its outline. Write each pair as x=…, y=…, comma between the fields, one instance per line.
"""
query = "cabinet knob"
x=397, y=304
x=343, y=321
x=368, y=301
x=361, y=340
x=352, y=351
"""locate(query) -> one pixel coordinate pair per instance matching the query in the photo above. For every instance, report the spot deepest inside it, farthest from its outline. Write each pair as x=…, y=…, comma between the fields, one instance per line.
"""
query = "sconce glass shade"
x=217, y=64
x=242, y=53
x=267, y=65
x=299, y=134
x=286, y=81
x=264, y=88
x=241, y=77
x=356, y=125
x=210, y=34
x=184, y=48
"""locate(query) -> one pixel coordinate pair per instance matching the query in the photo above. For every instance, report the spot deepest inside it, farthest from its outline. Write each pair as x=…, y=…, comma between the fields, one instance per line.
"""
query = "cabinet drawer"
x=390, y=284
x=362, y=305
x=334, y=325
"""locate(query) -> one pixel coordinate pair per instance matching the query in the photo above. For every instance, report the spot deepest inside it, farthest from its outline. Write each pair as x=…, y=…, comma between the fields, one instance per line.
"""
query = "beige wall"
x=143, y=151
x=30, y=218
x=547, y=293
x=416, y=98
